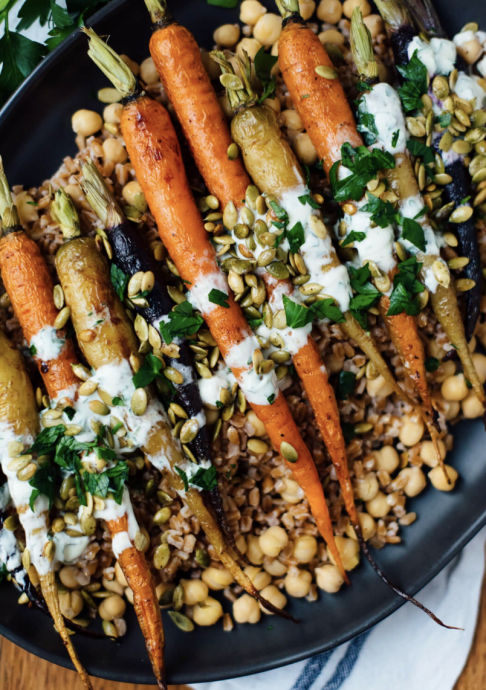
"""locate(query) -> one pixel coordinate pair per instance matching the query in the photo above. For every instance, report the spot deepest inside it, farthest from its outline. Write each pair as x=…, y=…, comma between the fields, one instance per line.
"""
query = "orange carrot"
x=156, y=157
x=30, y=287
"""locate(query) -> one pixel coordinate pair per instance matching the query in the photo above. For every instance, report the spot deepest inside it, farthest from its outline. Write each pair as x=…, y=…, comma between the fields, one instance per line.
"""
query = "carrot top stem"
x=362, y=47
x=65, y=214
x=159, y=12
x=8, y=210
x=111, y=64
x=288, y=7
x=99, y=197
x=238, y=86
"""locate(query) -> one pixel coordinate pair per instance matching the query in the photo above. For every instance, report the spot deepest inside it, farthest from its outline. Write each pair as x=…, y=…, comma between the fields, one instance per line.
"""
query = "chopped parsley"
x=383, y=213
x=183, y=476
x=69, y=412
x=230, y=4
x=366, y=125
x=362, y=87
x=417, y=148
x=414, y=233
x=280, y=212
x=431, y=364
x=119, y=280
x=406, y=287
x=182, y=321
x=117, y=401
x=255, y=323
x=307, y=199
x=366, y=297
x=219, y=297
x=395, y=137
x=346, y=384
x=415, y=76
x=363, y=164
x=148, y=372
x=354, y=236
x=296, y=237
x=47, y=440
x=298, y=315
x=112, y=479
x=33, y=350
x=264, y=63
x=444, y=120
x=206, y=479
x=271, y=399
x=43, y=482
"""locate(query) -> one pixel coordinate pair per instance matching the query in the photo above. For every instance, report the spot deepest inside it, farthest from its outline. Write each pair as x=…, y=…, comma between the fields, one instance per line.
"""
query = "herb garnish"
x=383, y=212
x=431, y=364
x=444, y=120
x=205, y=479
x=346, y=383
x=296, y=237
x=354, y=236
x=414, y=233
x=219, y=297
x=299, y=316
x=363, y=164
x=271, y=399
x=43, y=482
x=148, y=372
x=182, y=321
x=417, y=148
x=307, y=199
x=415, y=75
x=223, y=3
x=264, y=63
x=119, y=280
x=406, y=287
x=366, y=125
x=395, y=138
x=366, y=297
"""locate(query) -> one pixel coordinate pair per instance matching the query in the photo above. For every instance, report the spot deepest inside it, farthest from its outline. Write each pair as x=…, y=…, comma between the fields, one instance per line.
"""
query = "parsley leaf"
x=383, y=212
x=271, y=399
x=280, y=212
x=366, y=125
x=327, y=309
x=18, y=56
x=406, y=287
x=119, y=280
x=43, y=483
x=205, y=479
x=354, y=236
x=444, y=119
x=298, y=315
x=223, y=3
x=112, y=479
x=32, y=11
x=183, y=476
x=296, y=237
x=307, y=199
x=264, y=63
x=395, y=138
x=363, y=164
x=69, y=412
x=117, y=401
x=3, y=573
x=431, y=364
x=182, y=321
x=255, y=323
x=47, y=440
x=346, y=383
x=148, y=372
x=417, y=148
x=218, y=297
x=33, y=350
x=367, y=295
x=415, y=75
x=414, y=233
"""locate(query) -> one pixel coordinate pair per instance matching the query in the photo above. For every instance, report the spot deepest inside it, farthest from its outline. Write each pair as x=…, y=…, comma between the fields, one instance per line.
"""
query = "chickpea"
x=258, y=426
x=350, y=5
x=471, y=407
x=298, y=585
x=259, y=577
x=274, y=104
x=113, y=586
x=26, y=208
x=438, y=480
x=428, y=454
x=348, y=550
x=329, y=578
x=451, y=409
x=208, y=612
x=268, y=29
x=378, y=387
x=112, y=607
x=291, y=120
x=412, y=430
x=470, y=50
x=375, y=24
x=251, y=11
x=134, y=66
x=368, y=527
x=227, y=35
x=195, y=591
x=332, y=36
x=378, y=507
x=254, y=551
x=367, y=487
x=305, y=548
x=445, y=370
x=455, y=388
x=273, y=595
x=226, y=107
x=307, y=8
x=86, y=122
x=67, y=575
x=292, y=492
x=211, y=67
x=416, y=481
x=329, y=11
x=250, y=46
x=71, y=604
x=304, y=149
x=148, y=72
x=387, y=459
x=112, y=113
x=479, y=362
x=246, y=610
x=114, y=150
x=132, y=193
x=241, y=544
x=217, y=578
x=273, y=540
x=274, y=567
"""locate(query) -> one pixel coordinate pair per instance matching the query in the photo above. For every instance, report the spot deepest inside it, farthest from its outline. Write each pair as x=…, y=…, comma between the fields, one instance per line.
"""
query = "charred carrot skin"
x=155, y=154
x=29, y=285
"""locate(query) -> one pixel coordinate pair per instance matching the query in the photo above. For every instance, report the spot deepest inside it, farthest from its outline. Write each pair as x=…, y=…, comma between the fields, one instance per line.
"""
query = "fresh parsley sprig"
x=415, y=76
x=406, y=288
x=363, y=164
x=298, y=316
x=264, y=63
x=182, y=321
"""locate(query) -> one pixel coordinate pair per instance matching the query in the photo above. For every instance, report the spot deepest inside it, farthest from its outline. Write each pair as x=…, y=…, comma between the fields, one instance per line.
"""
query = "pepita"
x=233, y=152
x=278, y=270
x=62, y=318
x=443, y=179
x=465, y=284
x=230, y=216
x=139, y=402
x=173, y=375
x=461, y=214
x=58, y=296
x=441, y=273
x=162, y=516
x=11, y=523
x=88, y=387
x=98, y=407
x=162, y=554
x=462, y=147
x=288, y=452
x=458, y=262
x=326, y=72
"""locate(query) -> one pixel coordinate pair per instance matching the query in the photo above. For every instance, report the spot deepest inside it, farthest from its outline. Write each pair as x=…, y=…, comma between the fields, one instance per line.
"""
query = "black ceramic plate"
x=35, y=135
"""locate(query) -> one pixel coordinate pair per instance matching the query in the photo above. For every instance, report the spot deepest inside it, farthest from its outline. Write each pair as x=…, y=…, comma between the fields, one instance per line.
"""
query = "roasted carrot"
x=30, y=287
x=19, y=424
x=330, y=124
x=178, y=61
x=155, y=154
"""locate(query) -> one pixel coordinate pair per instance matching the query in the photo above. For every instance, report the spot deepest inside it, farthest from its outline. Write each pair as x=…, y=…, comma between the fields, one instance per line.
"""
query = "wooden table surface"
x=20, y=670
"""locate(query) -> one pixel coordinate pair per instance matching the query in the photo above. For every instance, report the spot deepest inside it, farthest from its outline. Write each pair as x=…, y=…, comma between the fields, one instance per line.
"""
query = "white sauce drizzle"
x=112, y=511
x=47, y=344
x=438, y=56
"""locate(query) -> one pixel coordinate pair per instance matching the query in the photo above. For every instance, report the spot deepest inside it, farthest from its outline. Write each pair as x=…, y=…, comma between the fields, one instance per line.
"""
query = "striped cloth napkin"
x=407, y=651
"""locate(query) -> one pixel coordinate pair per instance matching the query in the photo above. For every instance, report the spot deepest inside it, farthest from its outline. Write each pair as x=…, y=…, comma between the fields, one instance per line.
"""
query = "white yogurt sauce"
x=384, y=104
x=47, y=344
x=468, y=88
x=481, y=66
x=113, y=511
x=438, y=56
x=199, y=293
x=209, y=389
x=69, y=549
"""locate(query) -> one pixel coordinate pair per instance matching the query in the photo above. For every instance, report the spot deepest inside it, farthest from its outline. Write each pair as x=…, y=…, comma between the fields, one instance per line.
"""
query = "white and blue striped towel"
x=407, y=651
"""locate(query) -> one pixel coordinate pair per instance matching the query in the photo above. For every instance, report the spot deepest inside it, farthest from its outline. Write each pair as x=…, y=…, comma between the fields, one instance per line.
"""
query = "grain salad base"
x=258, y=491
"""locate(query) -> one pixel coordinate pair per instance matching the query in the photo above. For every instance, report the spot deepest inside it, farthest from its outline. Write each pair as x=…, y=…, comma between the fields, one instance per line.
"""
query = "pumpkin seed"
x=443, y=178
x=173, y=375
x=415, y=127
x=474, y=136
x=203, y=371
x=141, y=541
x=280, y=356
x=27, y=472
x=278, y=270
x=109, y=629
x=440, y=87
x=212, y=202
x=480, y=176
x=257, y=446
x=58, y=296
x=326, y=72
x=458, y=262
x=139, y=402
x=247, y=217
x=216, y=430
x=241, y=402
x=311, y=289
x=162, y=516
x=461, y=147
x=230, y=216
x=461, y=214
x=462, y=117
x=446, y=142
x=19, y=463
x=241, y=231
x=288, y=452
x=81, y=372
x=479, y=198
x=148, y=281
x=162, y=554
x=11, y=523
x=465, y=284
x=441, y=273
x=280, y=320
x=58, y=525
x=382, y=282
x=251, y=196
x=98, y=407
x=62, y=318
x=88, y=525
x=88, y=387
x=141, y=328
x=235, y=282
x=233, y=152
x=135, y=284
x=266, y=257
x=363, y=428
